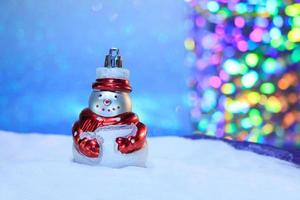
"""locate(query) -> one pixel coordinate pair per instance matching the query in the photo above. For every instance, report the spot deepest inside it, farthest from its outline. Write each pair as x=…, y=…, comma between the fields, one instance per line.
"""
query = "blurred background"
x=50, y=51
x=220, y=68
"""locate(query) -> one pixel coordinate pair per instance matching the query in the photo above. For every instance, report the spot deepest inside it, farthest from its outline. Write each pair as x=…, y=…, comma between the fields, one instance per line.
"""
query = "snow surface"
x=35, y=167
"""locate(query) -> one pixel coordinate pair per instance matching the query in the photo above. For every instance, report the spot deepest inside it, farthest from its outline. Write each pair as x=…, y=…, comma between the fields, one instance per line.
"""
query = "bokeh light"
x=255, y=86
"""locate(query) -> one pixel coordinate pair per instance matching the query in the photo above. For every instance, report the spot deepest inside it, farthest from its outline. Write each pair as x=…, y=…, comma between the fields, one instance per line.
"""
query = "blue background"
x=50, y=50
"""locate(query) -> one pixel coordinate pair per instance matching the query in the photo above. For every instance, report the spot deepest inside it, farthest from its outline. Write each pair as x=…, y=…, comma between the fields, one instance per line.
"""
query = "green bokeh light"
x=249, y=79
x=232, y=67
x=230, y=128
x=241, y=8
x=267, y=88
x=252, y=59
x=246, y=123
x=213, y=6
x=228, y=88
x=270, y=66
x=203, y=124
x=255, y=117
x=295, y=56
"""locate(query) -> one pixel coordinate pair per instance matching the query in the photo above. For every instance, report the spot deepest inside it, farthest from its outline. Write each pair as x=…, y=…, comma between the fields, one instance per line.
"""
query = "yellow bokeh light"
x=189, y=44
x=273, y=104
x=294, y=35
x=228, y=116
x=293, y=9
x=263, y=99
x=267, y=129
x=253, y=97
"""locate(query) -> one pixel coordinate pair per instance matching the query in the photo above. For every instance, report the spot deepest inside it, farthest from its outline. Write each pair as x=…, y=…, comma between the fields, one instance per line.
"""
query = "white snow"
x=40, y=167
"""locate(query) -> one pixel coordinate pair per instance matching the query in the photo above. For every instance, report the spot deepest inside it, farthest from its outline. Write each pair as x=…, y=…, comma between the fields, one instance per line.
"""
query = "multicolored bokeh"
x=244, y=58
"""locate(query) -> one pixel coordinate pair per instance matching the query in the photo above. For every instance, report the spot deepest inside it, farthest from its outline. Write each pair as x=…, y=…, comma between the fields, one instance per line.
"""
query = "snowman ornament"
x=107, y=132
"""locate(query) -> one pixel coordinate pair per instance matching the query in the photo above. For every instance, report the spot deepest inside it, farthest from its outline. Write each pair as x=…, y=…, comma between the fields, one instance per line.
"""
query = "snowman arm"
x=85, y=142
x=134, y=142
x=89, y=147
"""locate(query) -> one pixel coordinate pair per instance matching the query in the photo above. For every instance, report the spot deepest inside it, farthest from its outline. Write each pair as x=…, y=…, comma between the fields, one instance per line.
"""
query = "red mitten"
x=133, y=143
x=126, y=145
x=89, y=147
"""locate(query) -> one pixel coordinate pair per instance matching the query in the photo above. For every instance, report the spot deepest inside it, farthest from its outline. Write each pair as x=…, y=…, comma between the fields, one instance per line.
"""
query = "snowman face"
x=109, y=104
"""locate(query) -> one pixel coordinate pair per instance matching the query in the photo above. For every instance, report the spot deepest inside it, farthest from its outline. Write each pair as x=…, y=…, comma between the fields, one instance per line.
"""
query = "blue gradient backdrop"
x=50, y=50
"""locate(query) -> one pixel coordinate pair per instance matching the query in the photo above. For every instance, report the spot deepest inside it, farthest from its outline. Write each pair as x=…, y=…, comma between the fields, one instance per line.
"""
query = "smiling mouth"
x=111, y=109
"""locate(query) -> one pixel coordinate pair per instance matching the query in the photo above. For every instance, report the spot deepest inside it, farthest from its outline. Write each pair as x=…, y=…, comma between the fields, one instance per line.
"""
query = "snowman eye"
x=100, y=95
x=116, y=96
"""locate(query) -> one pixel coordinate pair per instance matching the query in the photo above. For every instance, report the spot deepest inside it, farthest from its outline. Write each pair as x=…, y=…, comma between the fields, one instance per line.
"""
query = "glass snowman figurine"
x=107, y=132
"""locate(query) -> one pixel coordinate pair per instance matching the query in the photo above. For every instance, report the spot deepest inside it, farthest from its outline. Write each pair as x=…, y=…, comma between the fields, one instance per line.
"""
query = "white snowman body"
x=109, y=154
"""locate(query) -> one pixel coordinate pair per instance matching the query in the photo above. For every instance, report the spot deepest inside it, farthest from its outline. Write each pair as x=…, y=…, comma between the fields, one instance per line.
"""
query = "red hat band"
x=112, y=84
